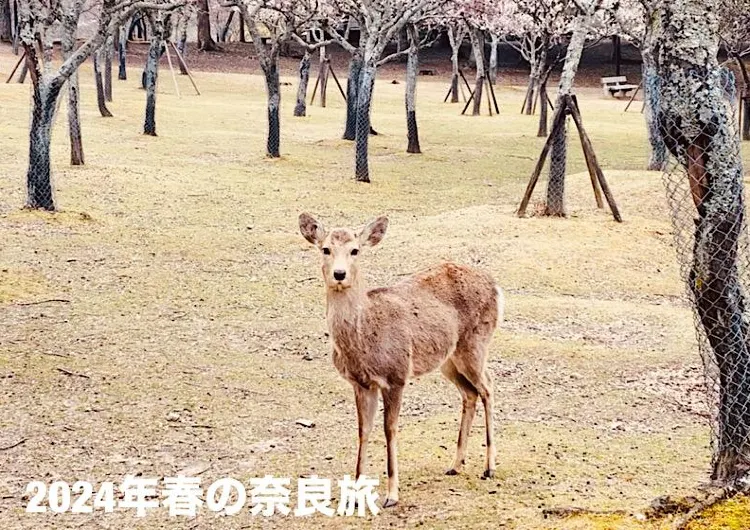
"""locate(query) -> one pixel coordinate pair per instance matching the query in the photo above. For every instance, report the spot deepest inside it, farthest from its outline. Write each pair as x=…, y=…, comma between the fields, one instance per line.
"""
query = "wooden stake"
x=468, y=86
x=23, y=56
x=494, y=99
x=599, y=174
x=184, y=65
x=557, y=122
x=632, y=98
x=336, y=79
x=471, y=97
x=489, y=103
x=171, y=69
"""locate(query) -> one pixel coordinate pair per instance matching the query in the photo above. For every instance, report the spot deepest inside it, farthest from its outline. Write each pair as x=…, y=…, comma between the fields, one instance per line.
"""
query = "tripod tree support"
x=569, y=106
x=183, y=64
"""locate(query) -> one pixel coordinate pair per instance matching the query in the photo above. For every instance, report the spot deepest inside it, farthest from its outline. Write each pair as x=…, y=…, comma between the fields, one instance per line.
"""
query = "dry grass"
x=191, y=292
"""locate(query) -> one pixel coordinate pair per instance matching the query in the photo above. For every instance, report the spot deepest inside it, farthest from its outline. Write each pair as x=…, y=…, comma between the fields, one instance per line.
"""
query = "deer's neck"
x=344, y=312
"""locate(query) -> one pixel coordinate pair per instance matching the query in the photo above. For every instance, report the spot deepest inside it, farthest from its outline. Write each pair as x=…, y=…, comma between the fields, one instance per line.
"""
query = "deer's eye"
x=327, y=251
x=355, y=251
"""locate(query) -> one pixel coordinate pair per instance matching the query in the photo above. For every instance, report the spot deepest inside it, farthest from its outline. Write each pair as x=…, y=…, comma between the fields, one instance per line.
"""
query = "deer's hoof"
x=451, y=472
x=488, y=473
x=389, y=503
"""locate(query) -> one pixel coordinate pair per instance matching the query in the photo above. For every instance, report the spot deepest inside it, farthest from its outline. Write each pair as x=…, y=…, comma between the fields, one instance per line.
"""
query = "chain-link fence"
x=45, y=103
x=704, y=182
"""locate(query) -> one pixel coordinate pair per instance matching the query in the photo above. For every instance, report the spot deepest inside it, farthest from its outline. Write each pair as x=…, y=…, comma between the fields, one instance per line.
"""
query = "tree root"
x=687, y=509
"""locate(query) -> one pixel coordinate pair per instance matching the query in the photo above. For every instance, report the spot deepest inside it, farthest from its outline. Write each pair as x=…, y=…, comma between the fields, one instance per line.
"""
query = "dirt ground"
x=170, y=318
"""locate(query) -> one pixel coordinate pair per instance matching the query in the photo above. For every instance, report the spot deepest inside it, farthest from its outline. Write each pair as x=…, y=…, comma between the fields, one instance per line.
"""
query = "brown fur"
x=442, y=317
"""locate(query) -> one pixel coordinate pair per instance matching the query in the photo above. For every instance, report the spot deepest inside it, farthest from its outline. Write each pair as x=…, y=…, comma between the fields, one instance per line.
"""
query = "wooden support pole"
x=468, y=86
x=489, y=103
x=171, y=69
x=450, y=89
x=557, y=122
x=336, y=79
x=632, y=98
x=586, y=142
x=466, y=107
x=13, y=72
x=494, y=99
x=184, y=65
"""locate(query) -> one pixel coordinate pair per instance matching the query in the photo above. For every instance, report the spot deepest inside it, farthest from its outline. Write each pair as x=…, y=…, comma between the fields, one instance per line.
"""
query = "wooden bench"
x=614, y=86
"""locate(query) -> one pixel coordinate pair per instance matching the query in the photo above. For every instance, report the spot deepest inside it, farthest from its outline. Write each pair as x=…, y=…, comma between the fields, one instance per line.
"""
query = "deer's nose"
x=339, y=275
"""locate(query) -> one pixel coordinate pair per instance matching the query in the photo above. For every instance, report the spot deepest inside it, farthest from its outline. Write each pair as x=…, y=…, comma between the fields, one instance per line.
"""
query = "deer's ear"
x=374, y=232
x=311, y=229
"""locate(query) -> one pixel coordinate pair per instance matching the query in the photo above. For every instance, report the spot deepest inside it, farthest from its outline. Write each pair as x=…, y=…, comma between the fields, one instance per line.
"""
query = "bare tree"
x=380, y=21
x=412, y=67
x=36, y=18
x=697, y=124
x=6, y=31
x=555, y=204
x=70, y=15
x=101, y=99
x=283, y=19
x=206, y=43
x=457, y=32
x=156, y=23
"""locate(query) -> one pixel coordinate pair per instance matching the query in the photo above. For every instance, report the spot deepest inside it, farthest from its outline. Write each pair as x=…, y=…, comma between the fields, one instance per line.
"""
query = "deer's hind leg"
x=470, y=361
x=469, y=396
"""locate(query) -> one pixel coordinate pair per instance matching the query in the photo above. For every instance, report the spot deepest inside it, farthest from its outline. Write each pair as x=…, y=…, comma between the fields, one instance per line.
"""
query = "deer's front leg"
x=367, y=405
x=391, y=408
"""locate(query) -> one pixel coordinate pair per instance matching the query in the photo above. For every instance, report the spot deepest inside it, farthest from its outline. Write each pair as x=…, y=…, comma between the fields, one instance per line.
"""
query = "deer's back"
x=434, y=310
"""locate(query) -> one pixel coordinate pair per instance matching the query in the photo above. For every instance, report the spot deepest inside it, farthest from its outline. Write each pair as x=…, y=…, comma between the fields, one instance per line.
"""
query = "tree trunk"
x=657, y=160
x=6, y=34
x=243, y=39
x=38, y=177
x=300, y=109
x=493, y=59
x=556, y=184
x=543, y=106
x=456, y=38
x=364, y=105
x=182, y=41
x=108, y=47
x=412, y=66
x=352, y=93
x=477, y=42
x=273, y=90
x=699, y=130
x=206, y=43
x=152, y=72
x=100, y=99
x=70, y=23
x=122, y=73
x=556, y=188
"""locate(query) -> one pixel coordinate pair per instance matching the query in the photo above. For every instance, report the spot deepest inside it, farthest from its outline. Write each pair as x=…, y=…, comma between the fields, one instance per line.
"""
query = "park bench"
x=614, y=86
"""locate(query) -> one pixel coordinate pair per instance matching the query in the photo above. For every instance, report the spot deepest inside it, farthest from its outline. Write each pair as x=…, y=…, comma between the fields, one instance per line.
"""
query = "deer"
x=443, y=317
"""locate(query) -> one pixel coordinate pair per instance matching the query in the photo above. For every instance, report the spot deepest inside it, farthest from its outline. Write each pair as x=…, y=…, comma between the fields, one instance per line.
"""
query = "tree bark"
x=700, y=133
x=152, y=72
x=364, y=105
x=100, y=98
x=300, y=109
x=352, y=93
x=182, y=40
x=70, y=24
x=412, y=67
x=556, y=185
x=38, y=177
x=493, y=59
x=543, y=109
x=477, y=42
x=273, y=91
x=206, y=42
x=455, y=37
x=5, y=22
x=108, y=47
x=657, y=160
x=122, y=48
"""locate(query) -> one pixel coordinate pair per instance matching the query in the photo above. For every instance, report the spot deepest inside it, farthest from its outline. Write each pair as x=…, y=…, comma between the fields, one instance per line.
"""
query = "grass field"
x=193, y=322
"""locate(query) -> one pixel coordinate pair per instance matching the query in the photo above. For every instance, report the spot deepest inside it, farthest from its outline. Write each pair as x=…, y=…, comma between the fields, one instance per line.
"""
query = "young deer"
x=443, y=317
